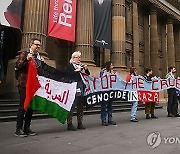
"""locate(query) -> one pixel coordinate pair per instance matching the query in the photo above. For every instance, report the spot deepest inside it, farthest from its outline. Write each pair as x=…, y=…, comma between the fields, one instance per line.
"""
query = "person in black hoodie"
x=75, y=65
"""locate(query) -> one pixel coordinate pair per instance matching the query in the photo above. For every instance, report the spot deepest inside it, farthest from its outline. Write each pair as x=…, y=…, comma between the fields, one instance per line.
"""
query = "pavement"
x=124, y=138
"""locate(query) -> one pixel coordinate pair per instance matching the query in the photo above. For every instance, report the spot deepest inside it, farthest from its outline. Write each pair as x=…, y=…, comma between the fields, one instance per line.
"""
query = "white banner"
x=113, y=81
x=60, y=93
x=112, y=86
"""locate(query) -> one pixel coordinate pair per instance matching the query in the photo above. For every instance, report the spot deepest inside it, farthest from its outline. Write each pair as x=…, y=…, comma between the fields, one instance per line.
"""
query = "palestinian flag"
x=48, y=95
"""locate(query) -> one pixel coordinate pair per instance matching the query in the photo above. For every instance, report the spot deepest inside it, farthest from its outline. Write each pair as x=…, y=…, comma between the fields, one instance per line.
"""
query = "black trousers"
x=23, y=117
x=172, y=106
x=79, y=101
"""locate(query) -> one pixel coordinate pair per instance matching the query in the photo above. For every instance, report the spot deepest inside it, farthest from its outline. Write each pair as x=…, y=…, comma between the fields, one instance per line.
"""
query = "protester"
x=149, y=106
x=103, y=68
x=77, y=66
x=106, y=106
x=133, y=72
x=24, y=117
x=172, y=106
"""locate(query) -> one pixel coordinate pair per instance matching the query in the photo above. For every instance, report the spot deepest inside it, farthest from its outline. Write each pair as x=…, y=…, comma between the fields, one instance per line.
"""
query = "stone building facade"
x=145, y=33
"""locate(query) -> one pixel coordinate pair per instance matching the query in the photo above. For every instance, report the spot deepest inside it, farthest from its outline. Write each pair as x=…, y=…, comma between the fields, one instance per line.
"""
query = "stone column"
x=35, y=23
x=164, y=51
x=118, y=34
x=177, y=49
x=84, y=31
x=170, y=43
x=135, y=36
x=146, y=40
x=154, y=42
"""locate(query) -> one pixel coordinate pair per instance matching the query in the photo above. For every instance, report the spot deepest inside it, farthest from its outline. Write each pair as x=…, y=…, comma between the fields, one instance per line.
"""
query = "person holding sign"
x=75, y=65
x=106, y=106
x=133, y=72
x=149, y=106
x=172, y=106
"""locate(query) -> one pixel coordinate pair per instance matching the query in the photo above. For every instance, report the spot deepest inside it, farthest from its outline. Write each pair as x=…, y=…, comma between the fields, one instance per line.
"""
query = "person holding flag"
x=23, y=121
x=75, y=65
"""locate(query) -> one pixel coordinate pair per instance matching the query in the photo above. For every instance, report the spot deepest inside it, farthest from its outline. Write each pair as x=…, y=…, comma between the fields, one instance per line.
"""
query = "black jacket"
x=70, y=68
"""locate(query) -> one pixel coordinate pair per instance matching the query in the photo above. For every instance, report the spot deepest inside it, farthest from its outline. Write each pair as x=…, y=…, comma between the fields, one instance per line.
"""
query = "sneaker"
x=170, y=115
x=134, y=120
x=71, y=127
x=30, y=132
x=147, y=116
x=104, y=124
x=80, y=126
x=153, y=116
x=177, y=115
x=20, y=133
x=111, y=123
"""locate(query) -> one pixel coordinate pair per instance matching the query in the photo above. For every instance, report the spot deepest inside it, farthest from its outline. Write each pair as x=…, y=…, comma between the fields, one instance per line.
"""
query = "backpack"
x=16, y=70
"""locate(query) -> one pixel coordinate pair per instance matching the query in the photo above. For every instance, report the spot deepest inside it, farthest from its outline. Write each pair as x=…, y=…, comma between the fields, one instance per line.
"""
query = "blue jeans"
x=134, y=110
x=106, y=108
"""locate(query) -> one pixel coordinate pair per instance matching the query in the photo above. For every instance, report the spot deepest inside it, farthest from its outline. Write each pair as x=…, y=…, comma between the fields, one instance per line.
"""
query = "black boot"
x=80, y=126
x=147, y=116
x=71, y=127
x=153, y=116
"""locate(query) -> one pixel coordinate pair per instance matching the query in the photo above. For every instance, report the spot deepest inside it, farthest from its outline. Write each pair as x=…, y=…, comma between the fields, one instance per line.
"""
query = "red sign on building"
x=62, y=19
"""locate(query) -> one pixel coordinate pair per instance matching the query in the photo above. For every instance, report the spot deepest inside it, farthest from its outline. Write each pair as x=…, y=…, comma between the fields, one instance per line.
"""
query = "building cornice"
x=167, y=7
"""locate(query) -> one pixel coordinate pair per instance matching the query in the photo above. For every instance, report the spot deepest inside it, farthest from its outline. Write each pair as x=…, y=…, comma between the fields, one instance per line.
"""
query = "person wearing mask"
x=133, y=72
x=172, y=106
x=149, y=106
x=23, y=121
x=106, y=106
x=75, y=65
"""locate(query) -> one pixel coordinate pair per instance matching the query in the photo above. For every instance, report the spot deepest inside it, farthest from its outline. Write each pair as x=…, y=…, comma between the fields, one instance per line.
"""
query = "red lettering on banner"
x=134, y=82
x=153, y=82
x=94, y=82
x=171, y=82
x=113, y=78
x=106, y=80
x=140, y=83
x=163, y=82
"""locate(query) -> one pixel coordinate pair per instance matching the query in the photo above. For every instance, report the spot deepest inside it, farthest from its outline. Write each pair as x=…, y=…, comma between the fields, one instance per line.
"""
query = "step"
x=88, y=112
x=9, y=101
x=8, y=106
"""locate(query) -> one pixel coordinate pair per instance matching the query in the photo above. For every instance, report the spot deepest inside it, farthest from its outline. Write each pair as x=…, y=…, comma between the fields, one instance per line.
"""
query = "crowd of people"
x=23, y=128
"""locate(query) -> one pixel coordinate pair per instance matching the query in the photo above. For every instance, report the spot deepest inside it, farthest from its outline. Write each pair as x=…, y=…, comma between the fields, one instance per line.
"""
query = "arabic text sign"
x=60, y=93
